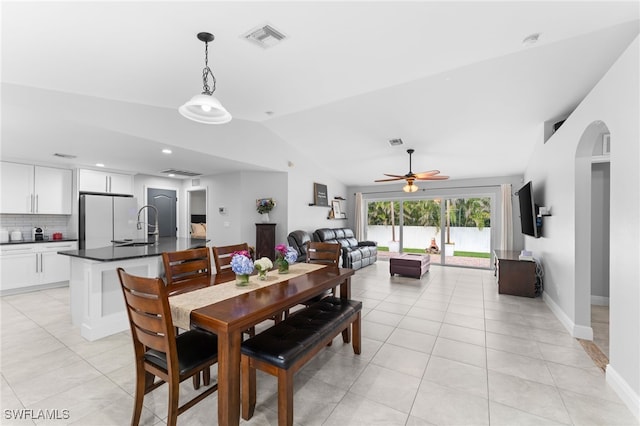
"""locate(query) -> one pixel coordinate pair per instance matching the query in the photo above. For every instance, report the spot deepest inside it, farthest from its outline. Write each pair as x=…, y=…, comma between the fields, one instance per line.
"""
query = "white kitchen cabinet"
x=105, y=182
x=18, y=265
x=29, y=189
x=28, y=265
x=17, y=187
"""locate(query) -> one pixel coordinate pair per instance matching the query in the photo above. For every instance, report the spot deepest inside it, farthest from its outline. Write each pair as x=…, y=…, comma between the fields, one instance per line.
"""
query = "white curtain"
x=359, y=217
x=506, y=218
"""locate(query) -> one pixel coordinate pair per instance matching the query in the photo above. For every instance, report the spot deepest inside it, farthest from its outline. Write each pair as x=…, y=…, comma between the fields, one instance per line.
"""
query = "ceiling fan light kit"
x=412, y=177
x=204, y=107
x=410, y=187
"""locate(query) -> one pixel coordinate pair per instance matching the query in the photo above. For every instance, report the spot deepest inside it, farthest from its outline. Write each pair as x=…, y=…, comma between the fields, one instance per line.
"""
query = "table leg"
x=229, y=378
x=345, y=293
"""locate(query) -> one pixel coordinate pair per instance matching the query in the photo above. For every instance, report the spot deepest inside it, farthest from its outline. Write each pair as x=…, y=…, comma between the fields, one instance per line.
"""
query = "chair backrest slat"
x=324, y=253
x=222, y=257
x=184, y=265
x=149, y=314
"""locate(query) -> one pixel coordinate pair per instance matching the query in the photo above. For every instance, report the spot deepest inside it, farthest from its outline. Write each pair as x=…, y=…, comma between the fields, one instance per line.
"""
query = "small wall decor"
x=335, y=206
x=320, y=195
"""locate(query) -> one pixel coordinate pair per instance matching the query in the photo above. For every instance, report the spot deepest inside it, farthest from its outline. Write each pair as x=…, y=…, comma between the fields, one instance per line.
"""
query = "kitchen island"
x=97, y=305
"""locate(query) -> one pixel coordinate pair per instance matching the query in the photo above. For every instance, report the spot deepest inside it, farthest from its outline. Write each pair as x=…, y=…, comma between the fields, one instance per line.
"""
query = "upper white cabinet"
x=105, y=182
x=35, y=189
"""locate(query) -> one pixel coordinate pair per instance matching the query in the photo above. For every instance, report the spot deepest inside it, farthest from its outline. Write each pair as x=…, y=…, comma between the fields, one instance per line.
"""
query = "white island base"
x=97, y=303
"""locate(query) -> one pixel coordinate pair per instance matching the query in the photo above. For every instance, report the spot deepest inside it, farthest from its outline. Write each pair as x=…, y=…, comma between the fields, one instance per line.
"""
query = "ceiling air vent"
x=395, y=142
x=57, y=154
x=265, y=36
x=180, y=172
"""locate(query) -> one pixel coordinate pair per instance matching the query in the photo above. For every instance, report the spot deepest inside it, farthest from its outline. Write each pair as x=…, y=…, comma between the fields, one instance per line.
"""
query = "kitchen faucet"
x=156, y=230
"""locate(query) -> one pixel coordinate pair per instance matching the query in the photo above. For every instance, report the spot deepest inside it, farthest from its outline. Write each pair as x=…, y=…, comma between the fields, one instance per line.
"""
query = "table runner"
x=182, y=304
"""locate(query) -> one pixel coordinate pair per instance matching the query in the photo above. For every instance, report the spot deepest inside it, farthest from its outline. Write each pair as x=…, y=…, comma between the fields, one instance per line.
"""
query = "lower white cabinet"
x=27, y=265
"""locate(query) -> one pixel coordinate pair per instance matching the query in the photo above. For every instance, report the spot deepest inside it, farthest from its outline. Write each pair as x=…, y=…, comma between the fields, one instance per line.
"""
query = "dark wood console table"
x=515, y=277
x=266, y=240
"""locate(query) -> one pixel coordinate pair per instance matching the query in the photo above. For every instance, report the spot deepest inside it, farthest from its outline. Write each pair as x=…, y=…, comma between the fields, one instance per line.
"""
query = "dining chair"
x=222, y=258
x=181, y=268
x=325, y=254
x=158, y=351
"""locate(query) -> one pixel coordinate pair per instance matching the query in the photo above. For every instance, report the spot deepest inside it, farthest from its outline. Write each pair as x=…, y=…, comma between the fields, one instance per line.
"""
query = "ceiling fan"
x=412, y=177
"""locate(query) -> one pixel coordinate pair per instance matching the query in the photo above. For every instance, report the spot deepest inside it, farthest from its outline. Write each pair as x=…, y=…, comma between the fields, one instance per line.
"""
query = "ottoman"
x=410, y=264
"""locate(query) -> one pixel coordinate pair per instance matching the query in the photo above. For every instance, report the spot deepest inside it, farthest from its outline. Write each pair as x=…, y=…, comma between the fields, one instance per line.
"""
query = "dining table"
x=227, y=309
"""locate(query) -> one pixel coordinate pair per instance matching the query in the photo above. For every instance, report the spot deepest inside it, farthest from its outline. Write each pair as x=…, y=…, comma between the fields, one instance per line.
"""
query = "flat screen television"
x=529, y=222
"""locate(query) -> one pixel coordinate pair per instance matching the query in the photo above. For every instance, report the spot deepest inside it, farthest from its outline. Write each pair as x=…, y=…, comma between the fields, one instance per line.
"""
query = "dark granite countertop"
x=64, y=240
x=118, y=252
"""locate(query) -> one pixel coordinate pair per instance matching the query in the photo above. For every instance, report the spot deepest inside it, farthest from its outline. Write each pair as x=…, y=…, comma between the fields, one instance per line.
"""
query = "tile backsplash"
x=48, y=223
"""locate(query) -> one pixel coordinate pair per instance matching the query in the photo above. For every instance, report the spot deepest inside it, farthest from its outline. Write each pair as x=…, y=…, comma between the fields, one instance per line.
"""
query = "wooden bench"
x=287, y=346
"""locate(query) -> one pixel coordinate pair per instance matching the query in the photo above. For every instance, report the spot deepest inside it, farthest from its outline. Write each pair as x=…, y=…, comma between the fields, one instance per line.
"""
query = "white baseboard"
x=577, y=331
x=624, y=391
x=600, y=300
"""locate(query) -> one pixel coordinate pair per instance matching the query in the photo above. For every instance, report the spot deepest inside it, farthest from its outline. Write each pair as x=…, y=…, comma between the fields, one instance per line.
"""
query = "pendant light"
x=204, y=108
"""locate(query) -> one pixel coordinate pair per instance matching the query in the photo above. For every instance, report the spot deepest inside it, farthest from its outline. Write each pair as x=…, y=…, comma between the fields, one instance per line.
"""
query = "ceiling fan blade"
x=425, y=174
x=389, y=180
x=434, y=178
x=395, y=176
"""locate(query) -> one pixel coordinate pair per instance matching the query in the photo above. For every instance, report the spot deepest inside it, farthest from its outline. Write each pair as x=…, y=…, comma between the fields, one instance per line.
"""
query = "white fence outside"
x=419, y=237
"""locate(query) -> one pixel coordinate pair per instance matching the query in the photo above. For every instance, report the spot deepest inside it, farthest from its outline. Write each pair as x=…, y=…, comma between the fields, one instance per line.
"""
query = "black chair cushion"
x=287, y=341
x=195, y=347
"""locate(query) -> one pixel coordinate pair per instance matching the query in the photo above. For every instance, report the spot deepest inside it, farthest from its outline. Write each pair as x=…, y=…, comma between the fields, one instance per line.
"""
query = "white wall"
x=302, y=175
x=198, y=202
x=613, y=102
x=465, y=239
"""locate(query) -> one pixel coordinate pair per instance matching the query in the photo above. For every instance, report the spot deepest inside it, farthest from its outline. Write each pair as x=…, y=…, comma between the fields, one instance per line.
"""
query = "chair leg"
x=196, y=380
x=206, y=376
x=285, y=397
x=142, y=379
x=248, y=388
x=174, y=387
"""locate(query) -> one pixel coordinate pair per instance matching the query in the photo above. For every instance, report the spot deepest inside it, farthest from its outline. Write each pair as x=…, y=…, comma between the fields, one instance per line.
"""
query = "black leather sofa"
x=355, y=254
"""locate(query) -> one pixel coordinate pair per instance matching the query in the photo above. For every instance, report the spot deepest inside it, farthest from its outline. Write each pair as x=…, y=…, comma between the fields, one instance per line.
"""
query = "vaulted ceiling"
x=452, y=79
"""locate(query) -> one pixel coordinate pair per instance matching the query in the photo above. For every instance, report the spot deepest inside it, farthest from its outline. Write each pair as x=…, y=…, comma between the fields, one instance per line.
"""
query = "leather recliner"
x=298, y=240
x=355, y=254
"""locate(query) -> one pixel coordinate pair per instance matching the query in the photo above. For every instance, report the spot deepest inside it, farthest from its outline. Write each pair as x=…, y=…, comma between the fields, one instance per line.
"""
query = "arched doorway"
x=592, y=229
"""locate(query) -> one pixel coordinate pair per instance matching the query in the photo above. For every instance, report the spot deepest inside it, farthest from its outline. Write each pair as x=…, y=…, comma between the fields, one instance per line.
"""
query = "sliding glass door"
x=455, y=231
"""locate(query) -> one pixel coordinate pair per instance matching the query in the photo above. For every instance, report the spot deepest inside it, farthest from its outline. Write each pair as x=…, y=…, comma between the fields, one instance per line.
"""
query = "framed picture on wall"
x=337, y=210
x=320, y=195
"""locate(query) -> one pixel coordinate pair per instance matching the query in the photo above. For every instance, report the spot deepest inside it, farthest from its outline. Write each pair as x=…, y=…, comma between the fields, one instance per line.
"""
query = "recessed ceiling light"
x=171, y=175
x=99, y=165
x=531, y=39
x=166, y=151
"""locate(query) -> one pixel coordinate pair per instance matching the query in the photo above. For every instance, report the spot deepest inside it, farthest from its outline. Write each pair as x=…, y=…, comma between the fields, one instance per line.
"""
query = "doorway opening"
x=592, y=242
x=197, y=212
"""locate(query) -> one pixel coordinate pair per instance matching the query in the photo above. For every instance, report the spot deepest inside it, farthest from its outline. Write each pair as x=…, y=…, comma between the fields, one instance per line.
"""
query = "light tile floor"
x=442, y=350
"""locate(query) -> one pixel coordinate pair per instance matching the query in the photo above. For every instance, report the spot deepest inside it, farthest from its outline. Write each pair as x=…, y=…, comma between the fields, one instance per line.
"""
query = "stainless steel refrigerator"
x=104, y=218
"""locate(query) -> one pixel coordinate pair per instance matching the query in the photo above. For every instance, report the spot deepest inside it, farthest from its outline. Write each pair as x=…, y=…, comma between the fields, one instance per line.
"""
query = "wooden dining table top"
x=249, y=308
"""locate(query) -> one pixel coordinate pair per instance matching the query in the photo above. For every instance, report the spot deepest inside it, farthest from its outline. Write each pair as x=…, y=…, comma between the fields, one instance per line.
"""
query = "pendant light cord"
x=205, y=73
